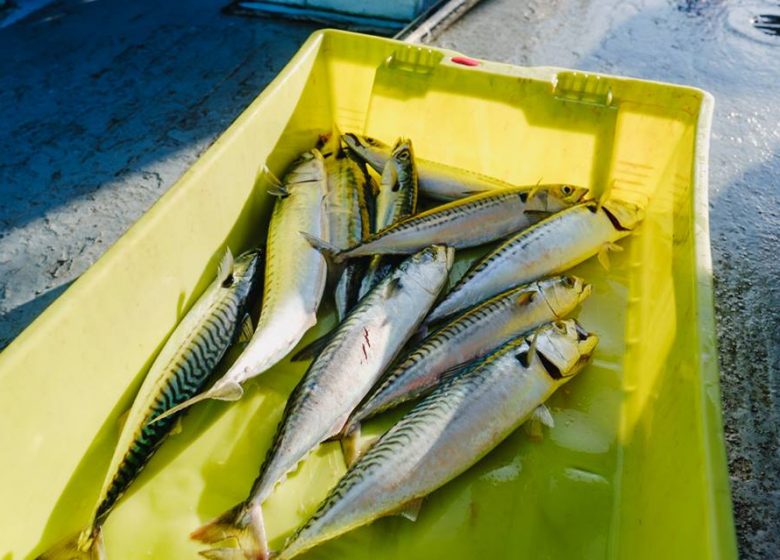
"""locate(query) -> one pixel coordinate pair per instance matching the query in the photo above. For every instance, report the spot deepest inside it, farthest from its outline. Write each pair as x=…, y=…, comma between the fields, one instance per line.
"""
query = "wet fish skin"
x=396, y=200
x=437, y=180
x=295, y=275
x=553, y=245
x=348, y=221
x=470, y=221
x=360, y=350
x=180, y=370
x=472, y=335
x=462, y=420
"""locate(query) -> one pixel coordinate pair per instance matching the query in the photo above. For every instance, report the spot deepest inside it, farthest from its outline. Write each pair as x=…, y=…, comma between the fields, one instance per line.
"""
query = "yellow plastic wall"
x=634, y=467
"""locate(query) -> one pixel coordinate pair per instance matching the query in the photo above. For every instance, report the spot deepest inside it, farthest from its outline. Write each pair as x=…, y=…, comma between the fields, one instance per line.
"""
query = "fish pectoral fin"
x=230, y=391
x=225, y=270
x=327, y=250
x=247, y=330
x=410, y=510
x=277, y=188
x=541, y=416
x=603, y=255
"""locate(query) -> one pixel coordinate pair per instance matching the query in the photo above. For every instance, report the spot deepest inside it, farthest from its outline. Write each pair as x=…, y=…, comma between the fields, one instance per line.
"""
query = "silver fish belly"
x=471, y=335
x=361, y=348
x=179, y=371
x=295, y=275
x=437, y=180
x=553, y=245
x=396, y=200
x=471, y=221
x=449, y=431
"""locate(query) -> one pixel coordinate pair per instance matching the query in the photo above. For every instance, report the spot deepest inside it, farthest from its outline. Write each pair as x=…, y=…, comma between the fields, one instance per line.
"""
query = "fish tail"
x=85, y=545
x=243, y=524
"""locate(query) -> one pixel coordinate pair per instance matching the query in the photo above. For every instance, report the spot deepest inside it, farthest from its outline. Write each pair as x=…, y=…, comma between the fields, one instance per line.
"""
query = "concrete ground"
x=708, y=44
x=104, y=104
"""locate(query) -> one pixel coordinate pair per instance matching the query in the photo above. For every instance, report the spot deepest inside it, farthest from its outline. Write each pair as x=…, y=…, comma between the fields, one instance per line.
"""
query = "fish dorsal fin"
x=225, y=270
x=247, y=330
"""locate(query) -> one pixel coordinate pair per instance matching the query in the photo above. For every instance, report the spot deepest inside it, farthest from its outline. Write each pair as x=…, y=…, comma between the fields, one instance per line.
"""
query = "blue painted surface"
x=103, y=105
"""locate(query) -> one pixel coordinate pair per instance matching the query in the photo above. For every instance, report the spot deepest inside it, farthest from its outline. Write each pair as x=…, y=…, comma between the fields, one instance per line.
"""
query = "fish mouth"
x=586, y=344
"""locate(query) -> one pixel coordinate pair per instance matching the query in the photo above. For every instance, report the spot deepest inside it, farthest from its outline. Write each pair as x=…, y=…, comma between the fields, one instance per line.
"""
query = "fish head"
x=247, y=265
x=402, y=159
x=427, y=266
x=623, y=214
x=563, y=293
x=562, y=347
x=307, y=172
x=555, y=197
x=372, y=151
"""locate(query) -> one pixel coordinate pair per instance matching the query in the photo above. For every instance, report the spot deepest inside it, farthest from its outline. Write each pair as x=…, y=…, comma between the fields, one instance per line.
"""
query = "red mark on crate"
x=465, y=61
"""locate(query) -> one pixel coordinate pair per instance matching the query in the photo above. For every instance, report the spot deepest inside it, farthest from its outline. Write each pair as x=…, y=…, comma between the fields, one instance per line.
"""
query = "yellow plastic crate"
x=635, y=466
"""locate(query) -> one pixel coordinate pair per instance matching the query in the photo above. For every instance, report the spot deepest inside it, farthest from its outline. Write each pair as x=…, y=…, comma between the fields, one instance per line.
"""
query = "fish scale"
x=192, y=364
x=471, y=335
x=295, y=275
x=181, y=368
x=470, y=221
x=553, y=245
x=349, y=222
x=397, y=199
x=359, y=351
x=449, y=431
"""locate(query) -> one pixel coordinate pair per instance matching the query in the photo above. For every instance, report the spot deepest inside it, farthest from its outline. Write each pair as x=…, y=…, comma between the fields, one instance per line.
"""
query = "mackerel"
x=295, y=275
x=179, y=371
x=437, y=180
x=472, y=335
x=553, y=245
x=360, y=350
x=449, y=431
x=470, y=221
x=396, y=200
x=348, y=221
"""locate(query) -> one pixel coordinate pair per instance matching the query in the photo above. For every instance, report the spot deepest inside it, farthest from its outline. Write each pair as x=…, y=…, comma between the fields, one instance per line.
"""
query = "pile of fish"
x=480, y=356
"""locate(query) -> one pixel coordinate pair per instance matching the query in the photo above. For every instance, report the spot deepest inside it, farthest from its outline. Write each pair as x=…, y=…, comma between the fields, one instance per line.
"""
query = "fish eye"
x=403, y=155
x=372, y=141
x=568, y=281
x=567, y=190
